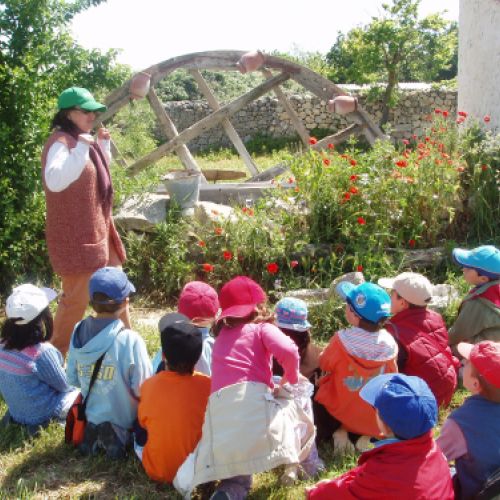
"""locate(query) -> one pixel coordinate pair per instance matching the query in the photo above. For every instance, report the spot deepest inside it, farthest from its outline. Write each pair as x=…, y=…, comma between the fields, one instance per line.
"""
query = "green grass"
x=44, y=467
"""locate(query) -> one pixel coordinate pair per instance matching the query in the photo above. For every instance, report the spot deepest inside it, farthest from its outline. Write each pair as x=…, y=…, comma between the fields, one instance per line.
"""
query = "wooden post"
x=228, y=126
x=294, y=118
x=171, y=132
x=208, y=122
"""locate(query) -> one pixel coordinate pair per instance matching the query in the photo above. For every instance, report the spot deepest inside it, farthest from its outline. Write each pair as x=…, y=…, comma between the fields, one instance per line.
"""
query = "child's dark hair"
x=101, y=303
x=301, y=340
x=261, y=315
x=39, y=329
x=182, y=348
x=369, y=326
x=410, y=305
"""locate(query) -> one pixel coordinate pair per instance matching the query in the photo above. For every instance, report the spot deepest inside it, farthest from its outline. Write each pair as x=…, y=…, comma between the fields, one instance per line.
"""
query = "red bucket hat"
x=239, y=297
x=485, y=356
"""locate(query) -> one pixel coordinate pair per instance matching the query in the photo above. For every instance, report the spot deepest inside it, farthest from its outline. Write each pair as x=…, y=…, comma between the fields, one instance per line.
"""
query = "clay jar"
x=139, y=85
x=250, y=61
x=343, y=104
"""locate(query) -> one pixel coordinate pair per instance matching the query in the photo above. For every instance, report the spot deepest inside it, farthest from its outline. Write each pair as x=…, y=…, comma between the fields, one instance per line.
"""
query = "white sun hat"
x=27, y=301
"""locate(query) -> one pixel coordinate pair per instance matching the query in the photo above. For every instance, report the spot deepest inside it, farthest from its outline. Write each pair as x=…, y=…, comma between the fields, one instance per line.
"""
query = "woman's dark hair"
x=61, y=121
x=19, y=337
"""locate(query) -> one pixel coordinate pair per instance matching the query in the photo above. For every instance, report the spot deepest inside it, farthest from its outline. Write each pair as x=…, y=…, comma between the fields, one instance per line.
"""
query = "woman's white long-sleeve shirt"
x=64, y=166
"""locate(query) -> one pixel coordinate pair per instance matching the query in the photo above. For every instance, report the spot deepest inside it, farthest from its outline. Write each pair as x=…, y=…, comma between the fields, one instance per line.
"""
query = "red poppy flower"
x=353, y=163
x=484, y=167
x=218, y=231
x=487, y=118
x=354, y=190
x=361, y=221
x=460, y=169
x=344, y=156
x=208, y=268
x=406, y=154
x=412, y=243
x=201, y=243
x=294, y=263
x=291, y=180
x=437, y=111
x=445, y=114
x=227, y=255
x=462, y=114
x=406, y=142
x=414, y=136
x=353, y=178
x=313, y=140
x=359, y=268
x=460, y=120
x=427, y=139
x=331, y=146
x=272, y=268
x=402, y=163
x=347, y=196
x=326, y=161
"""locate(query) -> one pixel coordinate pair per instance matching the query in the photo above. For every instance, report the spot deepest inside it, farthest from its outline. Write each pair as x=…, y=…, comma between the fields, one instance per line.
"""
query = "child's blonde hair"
x=262, y=314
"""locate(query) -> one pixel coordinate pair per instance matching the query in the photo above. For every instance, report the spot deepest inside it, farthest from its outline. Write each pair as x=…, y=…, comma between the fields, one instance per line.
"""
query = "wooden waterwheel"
x=275, y=71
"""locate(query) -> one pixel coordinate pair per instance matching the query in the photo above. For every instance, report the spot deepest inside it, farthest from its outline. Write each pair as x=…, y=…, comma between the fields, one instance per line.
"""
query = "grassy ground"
x=44, y=467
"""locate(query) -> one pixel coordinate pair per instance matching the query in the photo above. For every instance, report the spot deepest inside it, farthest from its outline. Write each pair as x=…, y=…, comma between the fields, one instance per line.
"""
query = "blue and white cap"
x=368, y=300
x=484, y=259
x=291, y=314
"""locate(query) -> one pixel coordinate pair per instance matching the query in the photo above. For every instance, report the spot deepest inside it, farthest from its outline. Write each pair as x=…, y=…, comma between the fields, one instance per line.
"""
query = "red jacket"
x=413, y=469
x=422, y=334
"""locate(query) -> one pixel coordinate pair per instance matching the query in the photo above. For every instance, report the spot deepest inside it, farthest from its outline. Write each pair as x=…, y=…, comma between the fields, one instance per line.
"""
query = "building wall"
x=479, y=60
x=267, y=117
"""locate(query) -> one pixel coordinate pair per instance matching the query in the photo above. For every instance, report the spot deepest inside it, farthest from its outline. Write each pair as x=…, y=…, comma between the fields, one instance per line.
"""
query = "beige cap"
x=413, y=287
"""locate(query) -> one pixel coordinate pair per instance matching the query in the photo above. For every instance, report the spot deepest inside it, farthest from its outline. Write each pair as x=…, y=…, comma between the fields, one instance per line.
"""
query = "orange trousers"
x=73, y=303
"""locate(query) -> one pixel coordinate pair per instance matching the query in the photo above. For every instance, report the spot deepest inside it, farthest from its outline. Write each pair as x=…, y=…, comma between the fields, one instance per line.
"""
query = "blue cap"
x=485, y=260
x=291, y=314
x=111, y=281
x=404, y=403
x=370, y=301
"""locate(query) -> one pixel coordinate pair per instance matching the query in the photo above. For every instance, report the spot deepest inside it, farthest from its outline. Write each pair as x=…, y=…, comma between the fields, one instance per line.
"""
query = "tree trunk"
x=391, y=84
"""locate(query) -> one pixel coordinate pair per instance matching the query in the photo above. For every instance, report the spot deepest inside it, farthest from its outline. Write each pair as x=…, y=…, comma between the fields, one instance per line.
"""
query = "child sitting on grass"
x=421, y=335
x=247, y=428
x=32, y=378
x=479, y=313
x=291, y=319
x=406, y=463
x=173, y=402
x=200, y=303
x=112, y=404
x=352, y=357
x=471, y=434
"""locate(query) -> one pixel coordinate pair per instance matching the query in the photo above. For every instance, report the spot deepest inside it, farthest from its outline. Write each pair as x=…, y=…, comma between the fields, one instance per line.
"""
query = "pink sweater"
x=244, y=354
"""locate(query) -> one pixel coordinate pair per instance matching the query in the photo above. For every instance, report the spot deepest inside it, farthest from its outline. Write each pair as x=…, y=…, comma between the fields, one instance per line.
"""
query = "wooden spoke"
x=208, y=122
x=228, y=126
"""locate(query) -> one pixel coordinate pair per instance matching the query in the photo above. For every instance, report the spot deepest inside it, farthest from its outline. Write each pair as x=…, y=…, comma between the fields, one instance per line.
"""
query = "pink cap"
x=485, y=356
x=239, y=297
x=198, y=300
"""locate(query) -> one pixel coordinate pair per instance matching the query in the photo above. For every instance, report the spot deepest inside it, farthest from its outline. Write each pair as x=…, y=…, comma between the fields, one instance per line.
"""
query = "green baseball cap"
x=77, y=96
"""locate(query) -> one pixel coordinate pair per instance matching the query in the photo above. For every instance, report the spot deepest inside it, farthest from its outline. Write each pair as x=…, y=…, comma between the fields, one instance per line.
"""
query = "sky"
x=150, y=31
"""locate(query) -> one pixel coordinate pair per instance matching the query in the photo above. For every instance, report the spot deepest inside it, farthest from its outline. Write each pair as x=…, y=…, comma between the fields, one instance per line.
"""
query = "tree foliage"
x=396, y=46
x=38, y=59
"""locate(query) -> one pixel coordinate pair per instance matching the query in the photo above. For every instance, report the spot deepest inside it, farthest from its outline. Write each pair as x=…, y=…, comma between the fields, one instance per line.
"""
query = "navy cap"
x=368, y=300
x=111, y=281
x=404, y=403
x=484, y=259
x=181, y=341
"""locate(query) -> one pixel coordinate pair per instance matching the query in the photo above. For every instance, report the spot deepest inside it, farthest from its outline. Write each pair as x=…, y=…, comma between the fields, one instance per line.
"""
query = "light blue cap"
x=484, y=259
x=368, y=300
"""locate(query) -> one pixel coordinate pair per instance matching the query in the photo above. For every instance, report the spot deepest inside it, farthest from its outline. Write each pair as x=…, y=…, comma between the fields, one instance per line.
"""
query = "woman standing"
x=81, y=235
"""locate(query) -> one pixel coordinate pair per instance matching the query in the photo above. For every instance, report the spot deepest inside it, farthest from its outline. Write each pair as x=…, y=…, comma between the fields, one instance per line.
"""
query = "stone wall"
x=266, y=116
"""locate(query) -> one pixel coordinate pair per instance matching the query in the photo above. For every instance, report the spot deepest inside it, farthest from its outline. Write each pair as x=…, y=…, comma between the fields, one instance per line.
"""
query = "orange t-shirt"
x=172, y=410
